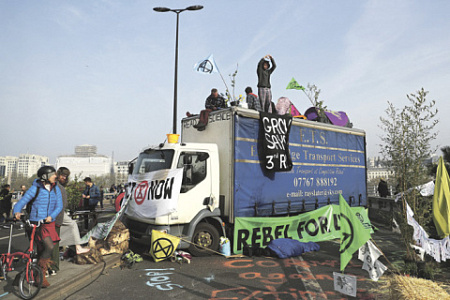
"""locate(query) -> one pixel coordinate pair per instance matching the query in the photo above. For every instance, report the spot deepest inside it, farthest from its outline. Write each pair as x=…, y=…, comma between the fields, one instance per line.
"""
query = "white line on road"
x=7, y=237
x=309, y=280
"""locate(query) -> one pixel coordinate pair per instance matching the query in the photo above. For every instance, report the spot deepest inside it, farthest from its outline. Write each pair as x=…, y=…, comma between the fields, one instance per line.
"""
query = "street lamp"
x=177, y=11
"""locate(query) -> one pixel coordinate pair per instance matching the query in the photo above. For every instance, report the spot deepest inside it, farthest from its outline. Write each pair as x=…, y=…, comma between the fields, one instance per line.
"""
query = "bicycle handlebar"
x=24, y=219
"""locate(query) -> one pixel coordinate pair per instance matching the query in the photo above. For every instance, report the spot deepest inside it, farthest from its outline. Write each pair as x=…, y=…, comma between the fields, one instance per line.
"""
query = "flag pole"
x=224, y=82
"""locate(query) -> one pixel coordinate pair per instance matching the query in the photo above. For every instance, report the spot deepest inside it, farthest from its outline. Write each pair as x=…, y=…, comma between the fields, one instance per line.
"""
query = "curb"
x=79, y=280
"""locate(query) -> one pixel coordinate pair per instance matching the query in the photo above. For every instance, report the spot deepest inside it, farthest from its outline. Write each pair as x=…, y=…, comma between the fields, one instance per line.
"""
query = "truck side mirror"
x=130, y=168
x=202, y=156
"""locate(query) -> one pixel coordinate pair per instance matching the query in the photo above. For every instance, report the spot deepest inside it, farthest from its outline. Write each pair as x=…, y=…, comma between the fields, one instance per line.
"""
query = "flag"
x=375, y=270
x=369, y=254
x=163, y=245
x=353, y=233
x=441, y=200
x=207, y=66
x=293, y=85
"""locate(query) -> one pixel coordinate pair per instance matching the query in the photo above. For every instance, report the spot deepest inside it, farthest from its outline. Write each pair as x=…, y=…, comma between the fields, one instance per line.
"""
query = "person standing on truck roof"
x=264, y=71
x=213, y=102
x=252, y=99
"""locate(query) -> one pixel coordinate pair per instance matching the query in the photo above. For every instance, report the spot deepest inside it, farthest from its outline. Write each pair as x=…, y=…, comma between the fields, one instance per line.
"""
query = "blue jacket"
x=47, y=203
x=94, y=193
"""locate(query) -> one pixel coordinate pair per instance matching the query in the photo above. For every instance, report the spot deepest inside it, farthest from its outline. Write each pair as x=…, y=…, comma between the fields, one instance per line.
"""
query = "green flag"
x=293, y=85
x=353, y=233
x=441, y=200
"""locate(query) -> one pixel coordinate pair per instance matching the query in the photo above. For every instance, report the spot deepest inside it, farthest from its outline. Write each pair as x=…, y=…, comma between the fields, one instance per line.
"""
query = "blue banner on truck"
x=326, y=162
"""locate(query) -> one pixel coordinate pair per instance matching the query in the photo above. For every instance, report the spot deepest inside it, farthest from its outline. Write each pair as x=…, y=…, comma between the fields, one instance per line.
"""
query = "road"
x=309, y=276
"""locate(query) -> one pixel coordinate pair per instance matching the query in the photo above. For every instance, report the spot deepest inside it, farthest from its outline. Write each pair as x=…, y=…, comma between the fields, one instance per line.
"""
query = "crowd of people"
x=47, y=200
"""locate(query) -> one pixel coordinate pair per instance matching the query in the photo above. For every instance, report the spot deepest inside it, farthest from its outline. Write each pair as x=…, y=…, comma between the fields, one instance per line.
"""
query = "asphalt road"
x=309, y=276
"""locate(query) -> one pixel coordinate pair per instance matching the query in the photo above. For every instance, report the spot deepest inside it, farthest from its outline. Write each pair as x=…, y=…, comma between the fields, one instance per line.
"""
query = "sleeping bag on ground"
x=284, y=248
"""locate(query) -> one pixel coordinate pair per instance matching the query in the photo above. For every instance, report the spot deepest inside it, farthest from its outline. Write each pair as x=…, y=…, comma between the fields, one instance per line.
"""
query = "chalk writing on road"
x=160, y=279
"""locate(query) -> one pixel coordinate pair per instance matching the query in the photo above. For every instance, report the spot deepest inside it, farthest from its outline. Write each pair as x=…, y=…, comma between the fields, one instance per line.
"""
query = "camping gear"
x=338, y=118
x=285, y=248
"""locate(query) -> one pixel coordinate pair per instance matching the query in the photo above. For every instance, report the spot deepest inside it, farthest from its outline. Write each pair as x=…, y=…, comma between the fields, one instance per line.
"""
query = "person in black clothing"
x=5, y=202
x=213, y=102
x=264, y=92
x=383, y=188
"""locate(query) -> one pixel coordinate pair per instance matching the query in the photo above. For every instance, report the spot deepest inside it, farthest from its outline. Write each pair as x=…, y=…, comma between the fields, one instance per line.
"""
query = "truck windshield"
x=153, y=160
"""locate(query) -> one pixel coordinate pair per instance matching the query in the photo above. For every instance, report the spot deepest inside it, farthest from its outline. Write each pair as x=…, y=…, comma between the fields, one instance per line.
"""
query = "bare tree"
x=406, y=143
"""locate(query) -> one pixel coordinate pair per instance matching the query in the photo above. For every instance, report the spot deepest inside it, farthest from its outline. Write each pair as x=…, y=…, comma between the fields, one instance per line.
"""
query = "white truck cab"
x=198, y=216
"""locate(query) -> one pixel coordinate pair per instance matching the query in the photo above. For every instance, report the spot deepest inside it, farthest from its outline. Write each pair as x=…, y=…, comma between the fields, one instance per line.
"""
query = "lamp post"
x=175, y=85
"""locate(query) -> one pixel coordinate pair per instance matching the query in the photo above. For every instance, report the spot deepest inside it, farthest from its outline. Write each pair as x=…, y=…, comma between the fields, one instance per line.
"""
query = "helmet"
x=45, y=172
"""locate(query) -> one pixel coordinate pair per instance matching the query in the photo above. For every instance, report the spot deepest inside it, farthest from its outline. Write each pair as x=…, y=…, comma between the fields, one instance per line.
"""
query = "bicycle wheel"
x=30, y=281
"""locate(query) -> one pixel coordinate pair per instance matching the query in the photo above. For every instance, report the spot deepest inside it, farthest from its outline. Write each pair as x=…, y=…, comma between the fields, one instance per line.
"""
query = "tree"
x=313, y=92
x=405, y=146
x=74, y=191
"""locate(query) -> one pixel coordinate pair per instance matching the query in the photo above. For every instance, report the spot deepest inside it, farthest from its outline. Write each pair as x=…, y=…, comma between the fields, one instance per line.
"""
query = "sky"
x=102, y=72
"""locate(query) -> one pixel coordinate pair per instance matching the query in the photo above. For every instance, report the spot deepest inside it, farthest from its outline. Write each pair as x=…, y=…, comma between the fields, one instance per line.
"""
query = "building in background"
x=8, y=165
x=29, y=164
x=121, y=172
x=25, y=165
x=86, y=162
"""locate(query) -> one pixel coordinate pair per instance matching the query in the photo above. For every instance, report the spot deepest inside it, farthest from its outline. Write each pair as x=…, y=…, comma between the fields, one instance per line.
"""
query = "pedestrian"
x=264, y=92
x=5, y=202
x=213, y=102
x=91, y=194
x=252, y=100
x=23, y=189
x=66, y=227
x=383, y=188
x=46, y=203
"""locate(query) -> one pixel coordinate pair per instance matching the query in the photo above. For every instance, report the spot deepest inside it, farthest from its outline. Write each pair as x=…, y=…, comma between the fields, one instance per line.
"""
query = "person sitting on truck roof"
x=252, y=99
x=213, y=102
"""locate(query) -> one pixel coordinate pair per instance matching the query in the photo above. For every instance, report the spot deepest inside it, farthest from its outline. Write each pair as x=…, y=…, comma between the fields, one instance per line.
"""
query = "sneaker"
x=46, y=273
x=52, y=272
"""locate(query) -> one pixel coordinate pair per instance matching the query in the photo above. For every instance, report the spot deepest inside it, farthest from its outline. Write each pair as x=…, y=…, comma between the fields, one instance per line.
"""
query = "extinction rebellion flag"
x=207, y=66
x=353, y=233
x=274, y=130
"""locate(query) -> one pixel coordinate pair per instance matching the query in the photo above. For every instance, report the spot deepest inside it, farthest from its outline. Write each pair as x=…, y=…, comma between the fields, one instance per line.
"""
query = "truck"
x=223, y=176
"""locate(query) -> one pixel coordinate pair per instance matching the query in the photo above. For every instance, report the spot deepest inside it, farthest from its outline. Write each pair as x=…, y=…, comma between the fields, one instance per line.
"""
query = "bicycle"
x=30, y=278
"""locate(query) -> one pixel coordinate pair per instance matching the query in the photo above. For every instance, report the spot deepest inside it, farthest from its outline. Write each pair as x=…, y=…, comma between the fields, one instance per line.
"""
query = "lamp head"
x=194, y=7
x=161, y=9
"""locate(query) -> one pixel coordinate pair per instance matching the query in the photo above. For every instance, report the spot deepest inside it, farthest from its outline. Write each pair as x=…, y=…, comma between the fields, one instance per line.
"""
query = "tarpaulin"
x=326, y=163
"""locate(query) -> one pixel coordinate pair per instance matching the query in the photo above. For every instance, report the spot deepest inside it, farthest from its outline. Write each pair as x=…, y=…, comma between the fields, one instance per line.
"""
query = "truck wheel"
x=206, y=236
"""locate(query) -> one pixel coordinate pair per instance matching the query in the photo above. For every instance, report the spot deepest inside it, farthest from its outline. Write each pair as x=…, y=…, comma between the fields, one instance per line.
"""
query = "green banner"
x=318, y=225
x=354, y=233
x=294, y=85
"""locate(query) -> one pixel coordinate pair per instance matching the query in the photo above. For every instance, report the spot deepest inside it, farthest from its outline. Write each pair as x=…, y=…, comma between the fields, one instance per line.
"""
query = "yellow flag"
x=163, y=245
x=441, y=200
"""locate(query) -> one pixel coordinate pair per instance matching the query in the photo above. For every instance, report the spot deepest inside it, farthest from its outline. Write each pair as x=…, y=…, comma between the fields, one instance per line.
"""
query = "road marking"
x=309, y=281
x=7, y=237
